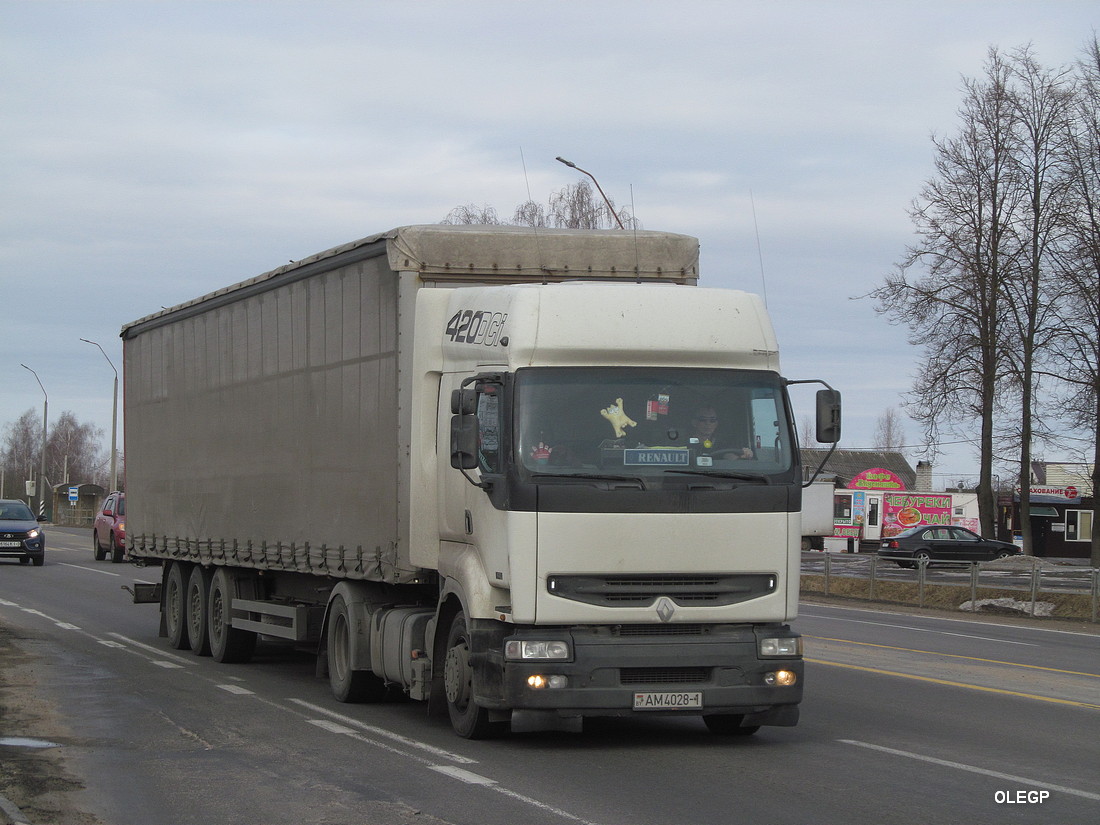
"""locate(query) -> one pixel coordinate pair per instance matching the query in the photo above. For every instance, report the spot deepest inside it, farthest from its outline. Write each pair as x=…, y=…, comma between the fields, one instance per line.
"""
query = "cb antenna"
x=610, y=208
x=759, y=252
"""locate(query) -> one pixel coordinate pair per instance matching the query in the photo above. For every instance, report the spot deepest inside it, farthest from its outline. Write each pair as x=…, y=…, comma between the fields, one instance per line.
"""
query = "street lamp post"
x=42, y=470
x=610, y=208
x=114, y=421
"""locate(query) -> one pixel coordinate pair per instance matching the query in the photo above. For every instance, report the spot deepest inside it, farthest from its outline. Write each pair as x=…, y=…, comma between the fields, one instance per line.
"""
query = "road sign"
x=74, y=494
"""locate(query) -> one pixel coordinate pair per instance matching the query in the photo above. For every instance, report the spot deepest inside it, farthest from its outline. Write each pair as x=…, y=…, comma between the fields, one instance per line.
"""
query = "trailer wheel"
x=729, y=725
x=175, y=604
x=198, y=600
x=469, y=720
x=347, y=685
x=228, y=644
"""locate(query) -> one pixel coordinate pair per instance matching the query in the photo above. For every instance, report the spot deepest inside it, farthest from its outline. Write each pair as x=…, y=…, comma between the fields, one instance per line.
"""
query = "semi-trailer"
x=467, y=464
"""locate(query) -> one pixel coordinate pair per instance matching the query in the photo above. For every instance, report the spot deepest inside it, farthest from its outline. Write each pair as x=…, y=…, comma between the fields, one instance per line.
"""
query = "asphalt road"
x=907, y=719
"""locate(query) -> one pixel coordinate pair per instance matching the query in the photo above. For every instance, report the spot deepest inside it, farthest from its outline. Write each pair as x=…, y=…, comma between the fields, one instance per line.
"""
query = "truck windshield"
x=641, y=422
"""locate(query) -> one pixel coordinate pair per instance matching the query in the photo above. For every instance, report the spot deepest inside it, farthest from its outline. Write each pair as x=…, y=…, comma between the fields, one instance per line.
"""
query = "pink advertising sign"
x=900, y=511
x=876, y=479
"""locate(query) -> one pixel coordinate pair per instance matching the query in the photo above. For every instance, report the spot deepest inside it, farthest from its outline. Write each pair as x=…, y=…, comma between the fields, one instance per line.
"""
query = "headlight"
x=33, y=534
x=517, y=650
x=781, y=646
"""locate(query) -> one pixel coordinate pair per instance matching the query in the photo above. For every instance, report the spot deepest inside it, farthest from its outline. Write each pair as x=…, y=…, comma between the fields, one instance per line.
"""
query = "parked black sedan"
x=924, y=545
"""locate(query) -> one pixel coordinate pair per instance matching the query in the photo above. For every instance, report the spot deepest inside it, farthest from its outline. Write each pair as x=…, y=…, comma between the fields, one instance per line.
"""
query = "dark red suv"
x=109, y=530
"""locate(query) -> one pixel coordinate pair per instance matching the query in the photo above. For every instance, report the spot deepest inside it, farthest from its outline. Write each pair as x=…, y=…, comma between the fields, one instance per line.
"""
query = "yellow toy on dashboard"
x=618, y=418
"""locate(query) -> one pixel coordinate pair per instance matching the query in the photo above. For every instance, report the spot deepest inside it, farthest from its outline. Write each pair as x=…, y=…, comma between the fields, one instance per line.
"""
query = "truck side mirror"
x=828, y=416
x=463, y=401
x=464, y=437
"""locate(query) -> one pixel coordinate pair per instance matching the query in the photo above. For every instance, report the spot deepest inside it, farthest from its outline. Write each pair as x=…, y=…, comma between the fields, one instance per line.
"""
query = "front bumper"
x=611, y=664
x=26, y=549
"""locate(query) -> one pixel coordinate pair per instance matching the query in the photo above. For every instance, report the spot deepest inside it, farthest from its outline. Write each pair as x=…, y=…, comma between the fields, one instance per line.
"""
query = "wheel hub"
x=457, y=675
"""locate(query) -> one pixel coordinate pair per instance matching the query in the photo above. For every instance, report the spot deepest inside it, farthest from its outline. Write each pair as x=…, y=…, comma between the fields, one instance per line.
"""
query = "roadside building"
x=1062, y=501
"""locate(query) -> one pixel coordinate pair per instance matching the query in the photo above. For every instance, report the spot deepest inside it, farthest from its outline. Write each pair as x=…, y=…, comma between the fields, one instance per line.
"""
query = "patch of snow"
x=1007, y=605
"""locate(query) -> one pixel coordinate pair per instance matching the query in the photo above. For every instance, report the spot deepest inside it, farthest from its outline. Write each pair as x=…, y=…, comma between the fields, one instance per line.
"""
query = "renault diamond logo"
x=665, y=609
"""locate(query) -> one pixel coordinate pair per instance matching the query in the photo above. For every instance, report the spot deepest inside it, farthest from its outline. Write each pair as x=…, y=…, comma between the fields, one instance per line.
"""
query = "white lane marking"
x=396, y=737
x=110, y=643
x=463, y=775
x=920, y=629
x=156, y=651
x=1023, y=780
x=6, y=603
x=66, y=626
x=90, y=569
x=237, y=689
x=460, y=774
x=168, y=665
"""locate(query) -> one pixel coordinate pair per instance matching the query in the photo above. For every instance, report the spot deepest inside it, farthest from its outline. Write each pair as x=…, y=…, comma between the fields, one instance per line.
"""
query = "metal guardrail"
x=867, y=567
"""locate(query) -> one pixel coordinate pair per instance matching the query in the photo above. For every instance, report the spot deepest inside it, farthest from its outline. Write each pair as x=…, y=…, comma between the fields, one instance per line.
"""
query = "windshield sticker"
x=618, y=418
x=655, y=407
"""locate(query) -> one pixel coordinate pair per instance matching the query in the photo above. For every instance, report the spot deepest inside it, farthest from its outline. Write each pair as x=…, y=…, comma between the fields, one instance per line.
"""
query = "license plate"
x=11, y=544
x=690, y=700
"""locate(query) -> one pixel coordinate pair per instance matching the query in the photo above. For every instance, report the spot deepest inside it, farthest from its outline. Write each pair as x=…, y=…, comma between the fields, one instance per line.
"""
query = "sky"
x=152, y=152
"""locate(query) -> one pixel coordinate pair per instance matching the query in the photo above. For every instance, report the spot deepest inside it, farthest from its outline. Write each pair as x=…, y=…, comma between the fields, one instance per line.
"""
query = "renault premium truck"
x=466, y=463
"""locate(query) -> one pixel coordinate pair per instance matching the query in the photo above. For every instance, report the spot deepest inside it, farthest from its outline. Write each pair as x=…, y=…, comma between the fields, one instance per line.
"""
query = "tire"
x=468, y=718
x=729, y=725
x=118, y=552
x=100, y=553
x=175, y=604
x=922, y=558
x=347, y=685
x=1003, y=554
x=198, y=601
x=228, y=644
x=38, y=561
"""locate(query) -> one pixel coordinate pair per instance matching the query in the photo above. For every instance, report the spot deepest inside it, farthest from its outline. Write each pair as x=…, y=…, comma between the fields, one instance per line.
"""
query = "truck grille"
x=664, y=675
x=642, y=591
x=631, y=630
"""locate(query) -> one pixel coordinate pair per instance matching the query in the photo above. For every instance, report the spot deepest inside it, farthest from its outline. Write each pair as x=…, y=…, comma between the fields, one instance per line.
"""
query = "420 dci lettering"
x=472, y=326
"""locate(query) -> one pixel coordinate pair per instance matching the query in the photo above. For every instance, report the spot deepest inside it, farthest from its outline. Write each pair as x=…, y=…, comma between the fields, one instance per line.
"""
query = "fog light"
x=538, y=681
x=780, y=678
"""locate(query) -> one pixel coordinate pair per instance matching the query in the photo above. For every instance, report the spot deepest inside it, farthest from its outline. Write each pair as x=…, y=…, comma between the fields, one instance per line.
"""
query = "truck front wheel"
x=347, y=685
x=469, y=720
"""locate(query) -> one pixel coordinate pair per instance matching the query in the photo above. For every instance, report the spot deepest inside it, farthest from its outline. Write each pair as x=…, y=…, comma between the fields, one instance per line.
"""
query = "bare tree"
x=1079, y=345
x=572, y=207
x=73, y=451
x=889, y=434
x=954, y=311
x=473, y=214
x=21, y=451
x=1043, y=102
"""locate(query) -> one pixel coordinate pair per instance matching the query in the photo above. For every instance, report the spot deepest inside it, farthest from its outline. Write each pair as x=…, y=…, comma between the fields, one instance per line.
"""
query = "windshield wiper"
x=724, y=474
x=594, y=476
